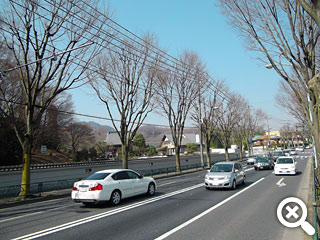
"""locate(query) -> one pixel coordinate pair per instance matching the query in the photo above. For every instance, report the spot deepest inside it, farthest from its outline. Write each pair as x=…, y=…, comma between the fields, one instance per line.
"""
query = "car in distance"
x=286, y=152
x=251, y=160
x=293, y=152
x=112, y=185
x=263, y=163
x=277, y=154
x=225, y=175
x=285, y=165
x=300, y=149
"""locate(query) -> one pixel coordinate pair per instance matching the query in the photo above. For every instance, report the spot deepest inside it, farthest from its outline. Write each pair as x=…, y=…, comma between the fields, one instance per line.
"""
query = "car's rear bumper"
x=90, y=196
x=285, y=172
x=217, y=184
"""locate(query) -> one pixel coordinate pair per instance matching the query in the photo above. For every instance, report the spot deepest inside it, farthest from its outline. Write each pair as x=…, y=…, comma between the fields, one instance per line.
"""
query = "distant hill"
x=100, y=131
x=96, y=126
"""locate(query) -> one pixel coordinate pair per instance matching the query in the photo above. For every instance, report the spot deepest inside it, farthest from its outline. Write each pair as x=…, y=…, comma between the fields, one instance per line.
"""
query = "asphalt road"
x=181, y=209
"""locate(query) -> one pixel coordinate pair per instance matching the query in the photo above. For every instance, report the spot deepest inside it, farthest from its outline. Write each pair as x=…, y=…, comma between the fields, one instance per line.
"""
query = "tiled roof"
x=112, y=139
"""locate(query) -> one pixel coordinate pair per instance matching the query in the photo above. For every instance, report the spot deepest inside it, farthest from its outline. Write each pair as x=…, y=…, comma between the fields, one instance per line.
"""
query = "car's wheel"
x=234, y=185
x=115, y=197
x=244, y=180
x=151, y=189
x=256, y=169
x=208, y=188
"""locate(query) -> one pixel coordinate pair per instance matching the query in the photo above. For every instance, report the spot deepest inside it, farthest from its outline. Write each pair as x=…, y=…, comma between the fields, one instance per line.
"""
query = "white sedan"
x=112, y=185
x=285, y=165
x=251, y=160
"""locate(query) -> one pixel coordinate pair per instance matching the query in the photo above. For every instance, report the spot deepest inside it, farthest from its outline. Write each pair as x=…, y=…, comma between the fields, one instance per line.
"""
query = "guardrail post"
x=40, y=188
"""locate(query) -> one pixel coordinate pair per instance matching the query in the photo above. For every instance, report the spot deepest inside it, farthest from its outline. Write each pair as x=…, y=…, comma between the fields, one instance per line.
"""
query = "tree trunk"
x=226, y=153
x=177, y=155
x=25, y=181
x=207, y=146
x=240, y=151
x=125, y=154
x=207, y=149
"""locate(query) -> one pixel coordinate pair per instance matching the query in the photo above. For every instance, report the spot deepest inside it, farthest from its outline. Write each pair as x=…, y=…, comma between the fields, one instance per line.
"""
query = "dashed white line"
x=167, y=184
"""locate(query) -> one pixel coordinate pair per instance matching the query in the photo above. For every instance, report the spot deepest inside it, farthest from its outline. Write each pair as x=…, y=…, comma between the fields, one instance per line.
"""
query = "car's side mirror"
x=140, y=176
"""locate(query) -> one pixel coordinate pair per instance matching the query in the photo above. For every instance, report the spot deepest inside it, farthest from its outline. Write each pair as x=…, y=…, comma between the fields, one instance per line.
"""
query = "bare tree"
x=241, y=127
x=51, y=45
x=80, y=135
x=286, y=34
x=205, y=110
x=227, y=118
x=287, y=99
x=125, y=80
x=176, y=93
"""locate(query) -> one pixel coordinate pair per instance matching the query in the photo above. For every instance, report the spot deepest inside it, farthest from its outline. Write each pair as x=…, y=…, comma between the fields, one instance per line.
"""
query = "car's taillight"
x=96, y=188
x=74, y=188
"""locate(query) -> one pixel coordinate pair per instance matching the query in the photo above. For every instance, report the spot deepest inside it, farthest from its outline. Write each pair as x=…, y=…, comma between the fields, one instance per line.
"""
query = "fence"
x=54, y=165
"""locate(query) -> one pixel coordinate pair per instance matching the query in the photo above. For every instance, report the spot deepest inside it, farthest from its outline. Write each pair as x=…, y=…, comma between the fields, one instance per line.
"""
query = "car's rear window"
x=263, y=160
x=221, y=168
x=278, y=154
x=285, y=160
x=98, y=176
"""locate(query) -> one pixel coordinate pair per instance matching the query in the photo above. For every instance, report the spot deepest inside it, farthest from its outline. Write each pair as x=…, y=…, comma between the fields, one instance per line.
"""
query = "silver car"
x=225, y=175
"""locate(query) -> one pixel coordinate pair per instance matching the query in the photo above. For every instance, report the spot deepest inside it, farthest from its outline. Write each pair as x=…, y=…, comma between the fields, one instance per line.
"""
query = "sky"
x=198, y=26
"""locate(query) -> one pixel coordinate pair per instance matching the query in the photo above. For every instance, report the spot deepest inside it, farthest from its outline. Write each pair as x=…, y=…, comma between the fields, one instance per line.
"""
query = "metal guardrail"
x=38, y=187
x=54, y=165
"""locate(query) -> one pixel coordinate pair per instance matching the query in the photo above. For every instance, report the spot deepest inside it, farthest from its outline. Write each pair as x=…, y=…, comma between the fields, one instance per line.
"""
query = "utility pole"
x=200, y=127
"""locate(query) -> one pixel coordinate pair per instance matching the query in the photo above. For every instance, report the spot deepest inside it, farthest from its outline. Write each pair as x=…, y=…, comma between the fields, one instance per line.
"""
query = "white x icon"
x=292, y=212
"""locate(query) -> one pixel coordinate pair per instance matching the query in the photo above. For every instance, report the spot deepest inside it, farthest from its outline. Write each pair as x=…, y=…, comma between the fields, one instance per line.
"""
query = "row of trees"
x=286, y=34
x=50, y=47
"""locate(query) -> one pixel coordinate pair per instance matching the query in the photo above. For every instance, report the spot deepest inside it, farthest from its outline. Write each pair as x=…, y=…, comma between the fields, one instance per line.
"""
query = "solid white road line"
x=103, y=215
x=31, y=214
x=166, y=184
x=248, y=169
x=205, y=212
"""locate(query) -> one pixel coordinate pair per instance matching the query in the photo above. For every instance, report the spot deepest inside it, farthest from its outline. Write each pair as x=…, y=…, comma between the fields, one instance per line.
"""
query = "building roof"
x=112, y=139
x=186, y=138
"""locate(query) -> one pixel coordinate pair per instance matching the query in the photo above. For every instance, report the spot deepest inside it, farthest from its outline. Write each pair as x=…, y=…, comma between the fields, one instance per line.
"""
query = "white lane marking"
x=31, y=204
x=280, y=183
x=205, y=212
x=248, y=169
x=166, y=184
x=103, y=215
x=30, y=214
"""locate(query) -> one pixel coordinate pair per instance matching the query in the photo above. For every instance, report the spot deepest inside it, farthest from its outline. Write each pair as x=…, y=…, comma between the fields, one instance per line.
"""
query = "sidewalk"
x=305, y=194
